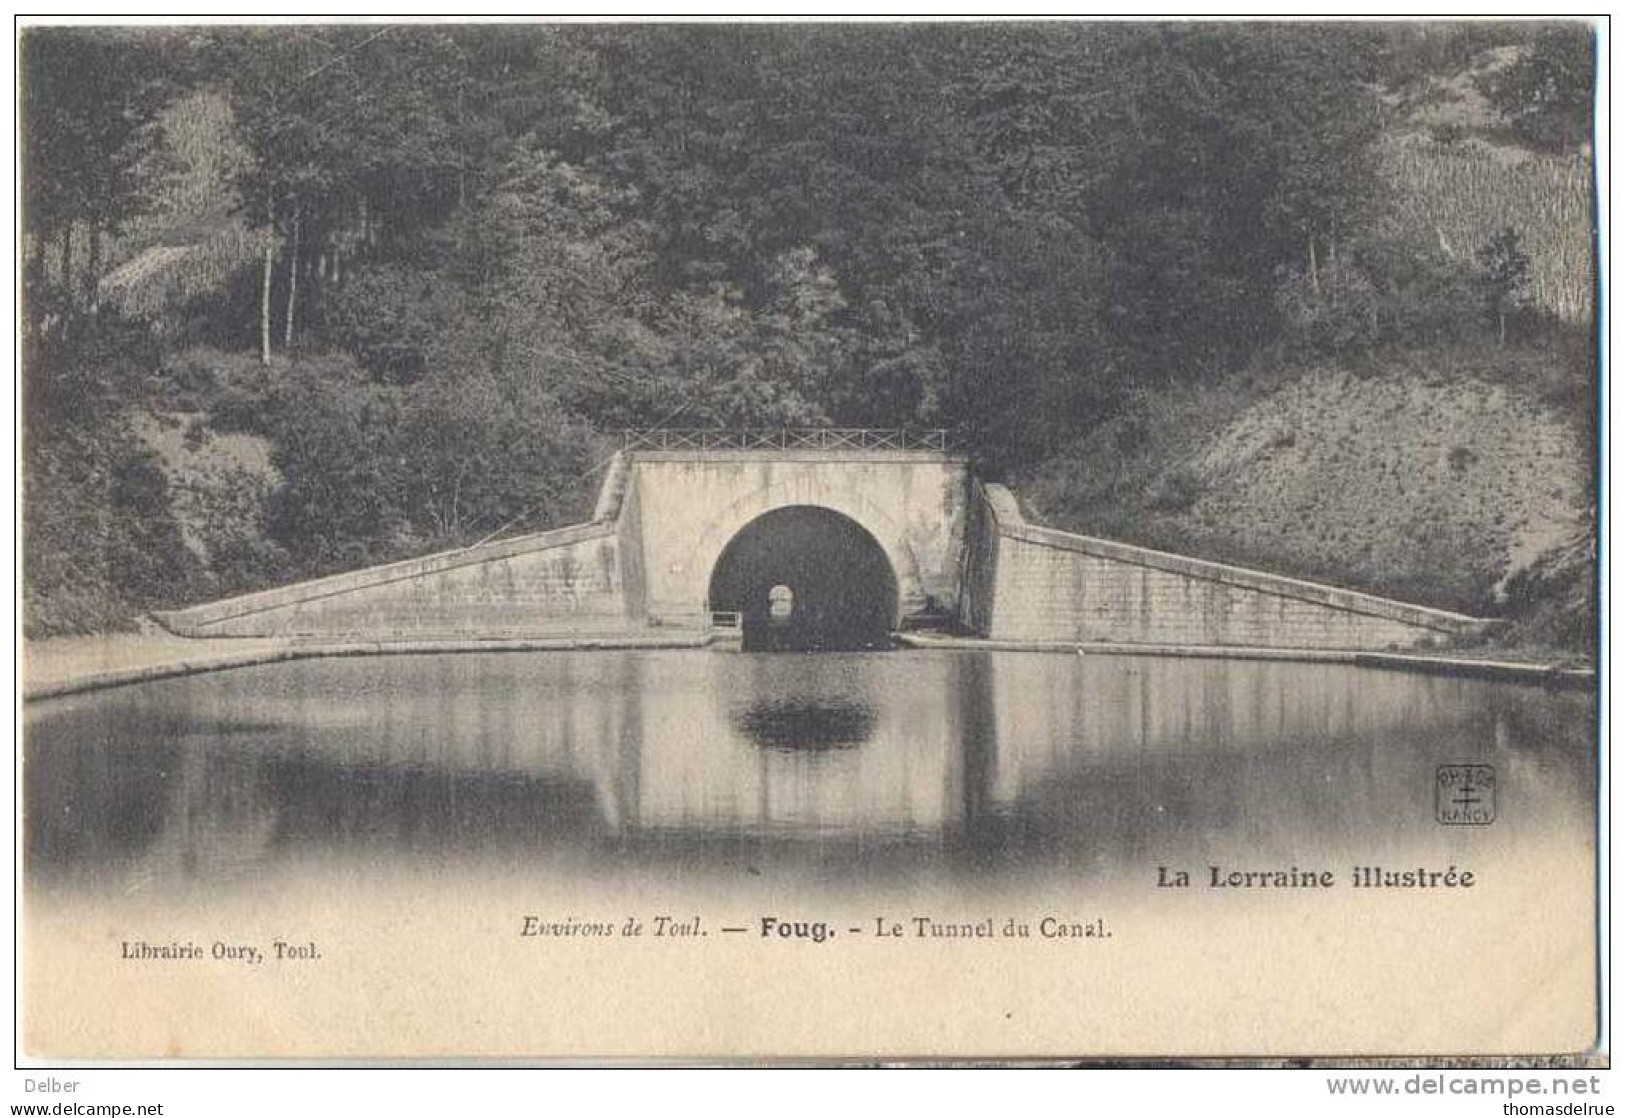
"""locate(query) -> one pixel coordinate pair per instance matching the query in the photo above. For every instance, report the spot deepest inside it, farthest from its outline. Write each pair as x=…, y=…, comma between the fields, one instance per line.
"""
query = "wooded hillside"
x=305, y=297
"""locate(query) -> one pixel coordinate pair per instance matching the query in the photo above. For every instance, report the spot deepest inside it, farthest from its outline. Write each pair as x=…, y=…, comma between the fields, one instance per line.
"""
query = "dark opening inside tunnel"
x=807, y=578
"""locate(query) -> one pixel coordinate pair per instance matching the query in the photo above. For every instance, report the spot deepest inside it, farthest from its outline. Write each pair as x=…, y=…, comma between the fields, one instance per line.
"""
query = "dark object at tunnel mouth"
x=836, y=578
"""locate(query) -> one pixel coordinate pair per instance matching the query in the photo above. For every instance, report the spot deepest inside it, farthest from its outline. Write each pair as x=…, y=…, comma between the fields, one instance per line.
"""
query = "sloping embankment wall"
x=1029, y=583
x=581, y=579
x=1021, y=582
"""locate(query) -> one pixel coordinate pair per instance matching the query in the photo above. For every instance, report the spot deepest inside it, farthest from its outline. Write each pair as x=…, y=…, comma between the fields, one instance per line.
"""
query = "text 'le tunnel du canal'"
x=806, y=578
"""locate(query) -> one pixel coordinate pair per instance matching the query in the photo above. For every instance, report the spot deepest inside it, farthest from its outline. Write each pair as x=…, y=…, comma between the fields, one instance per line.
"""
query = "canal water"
x=470, y=791
x=981, y=765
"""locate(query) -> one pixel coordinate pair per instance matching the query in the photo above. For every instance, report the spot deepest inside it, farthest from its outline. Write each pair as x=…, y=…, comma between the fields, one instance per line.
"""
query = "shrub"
x=372, y=472
x=1457, y=198
x=100, y=543
x=387, y=316
x=1176, y=492
x=1380, y=293
x=1546, y=95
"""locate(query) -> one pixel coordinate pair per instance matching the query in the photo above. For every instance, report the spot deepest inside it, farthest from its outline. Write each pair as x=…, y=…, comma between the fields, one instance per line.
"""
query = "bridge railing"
x=784, y=438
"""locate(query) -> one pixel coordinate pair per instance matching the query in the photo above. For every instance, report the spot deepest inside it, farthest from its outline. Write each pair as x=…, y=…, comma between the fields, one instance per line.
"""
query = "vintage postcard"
x=837, y=542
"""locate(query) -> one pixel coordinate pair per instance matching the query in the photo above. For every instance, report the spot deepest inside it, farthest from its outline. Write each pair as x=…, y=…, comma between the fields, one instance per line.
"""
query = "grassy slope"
x=218, y=482
x=1436, y=480
x=186, y=243
x=1458, y=178
x=1458, y=477
x=192, y=239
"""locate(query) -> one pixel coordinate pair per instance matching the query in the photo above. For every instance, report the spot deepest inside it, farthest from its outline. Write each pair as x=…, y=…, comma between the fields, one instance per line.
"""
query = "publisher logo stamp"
x=1464, y=795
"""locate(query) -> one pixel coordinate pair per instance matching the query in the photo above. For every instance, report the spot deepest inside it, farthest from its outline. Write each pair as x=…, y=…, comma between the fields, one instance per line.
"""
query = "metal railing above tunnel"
x=784, y=438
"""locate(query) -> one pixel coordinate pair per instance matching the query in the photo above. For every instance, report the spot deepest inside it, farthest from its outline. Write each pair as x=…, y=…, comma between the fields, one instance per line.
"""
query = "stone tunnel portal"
x=807, y=578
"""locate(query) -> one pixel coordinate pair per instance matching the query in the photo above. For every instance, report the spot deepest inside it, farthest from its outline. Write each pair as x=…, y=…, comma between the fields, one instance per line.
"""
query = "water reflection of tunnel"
x=835, y=577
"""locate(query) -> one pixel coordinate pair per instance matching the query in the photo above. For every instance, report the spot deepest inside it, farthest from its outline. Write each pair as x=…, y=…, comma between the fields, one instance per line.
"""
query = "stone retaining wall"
x=543, y=583
x=644, y=561
x=567, y=581
x=1039, y=584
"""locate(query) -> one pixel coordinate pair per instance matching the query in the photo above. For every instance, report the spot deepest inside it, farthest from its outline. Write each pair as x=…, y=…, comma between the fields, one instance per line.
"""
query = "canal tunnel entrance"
x=807, y=578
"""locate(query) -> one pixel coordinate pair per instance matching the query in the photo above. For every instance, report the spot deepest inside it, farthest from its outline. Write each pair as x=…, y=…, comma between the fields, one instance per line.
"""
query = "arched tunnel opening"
x=806, y=578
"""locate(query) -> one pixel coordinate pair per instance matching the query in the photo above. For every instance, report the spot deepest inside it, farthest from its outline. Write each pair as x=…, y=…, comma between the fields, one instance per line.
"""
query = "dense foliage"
x=462, y=251
x=1546, y=94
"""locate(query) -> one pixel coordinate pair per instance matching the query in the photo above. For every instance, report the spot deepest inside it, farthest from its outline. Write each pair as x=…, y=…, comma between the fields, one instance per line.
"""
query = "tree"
x=501, y=236
x=90, y=98
x=1547, y=94
x=1242, y=154
x=1380, y=293
x=354, y=143
x=1503, y=272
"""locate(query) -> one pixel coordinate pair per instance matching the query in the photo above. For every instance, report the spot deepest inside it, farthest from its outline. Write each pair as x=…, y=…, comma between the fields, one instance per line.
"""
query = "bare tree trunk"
x=34, y=268
x=265, y=308
x=93, y=265
x=67, y=258
x=462, y=163
x=1314, y=267
x=265, y=285
x=456, y=527
x=293, y=279
x=1331, y=265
